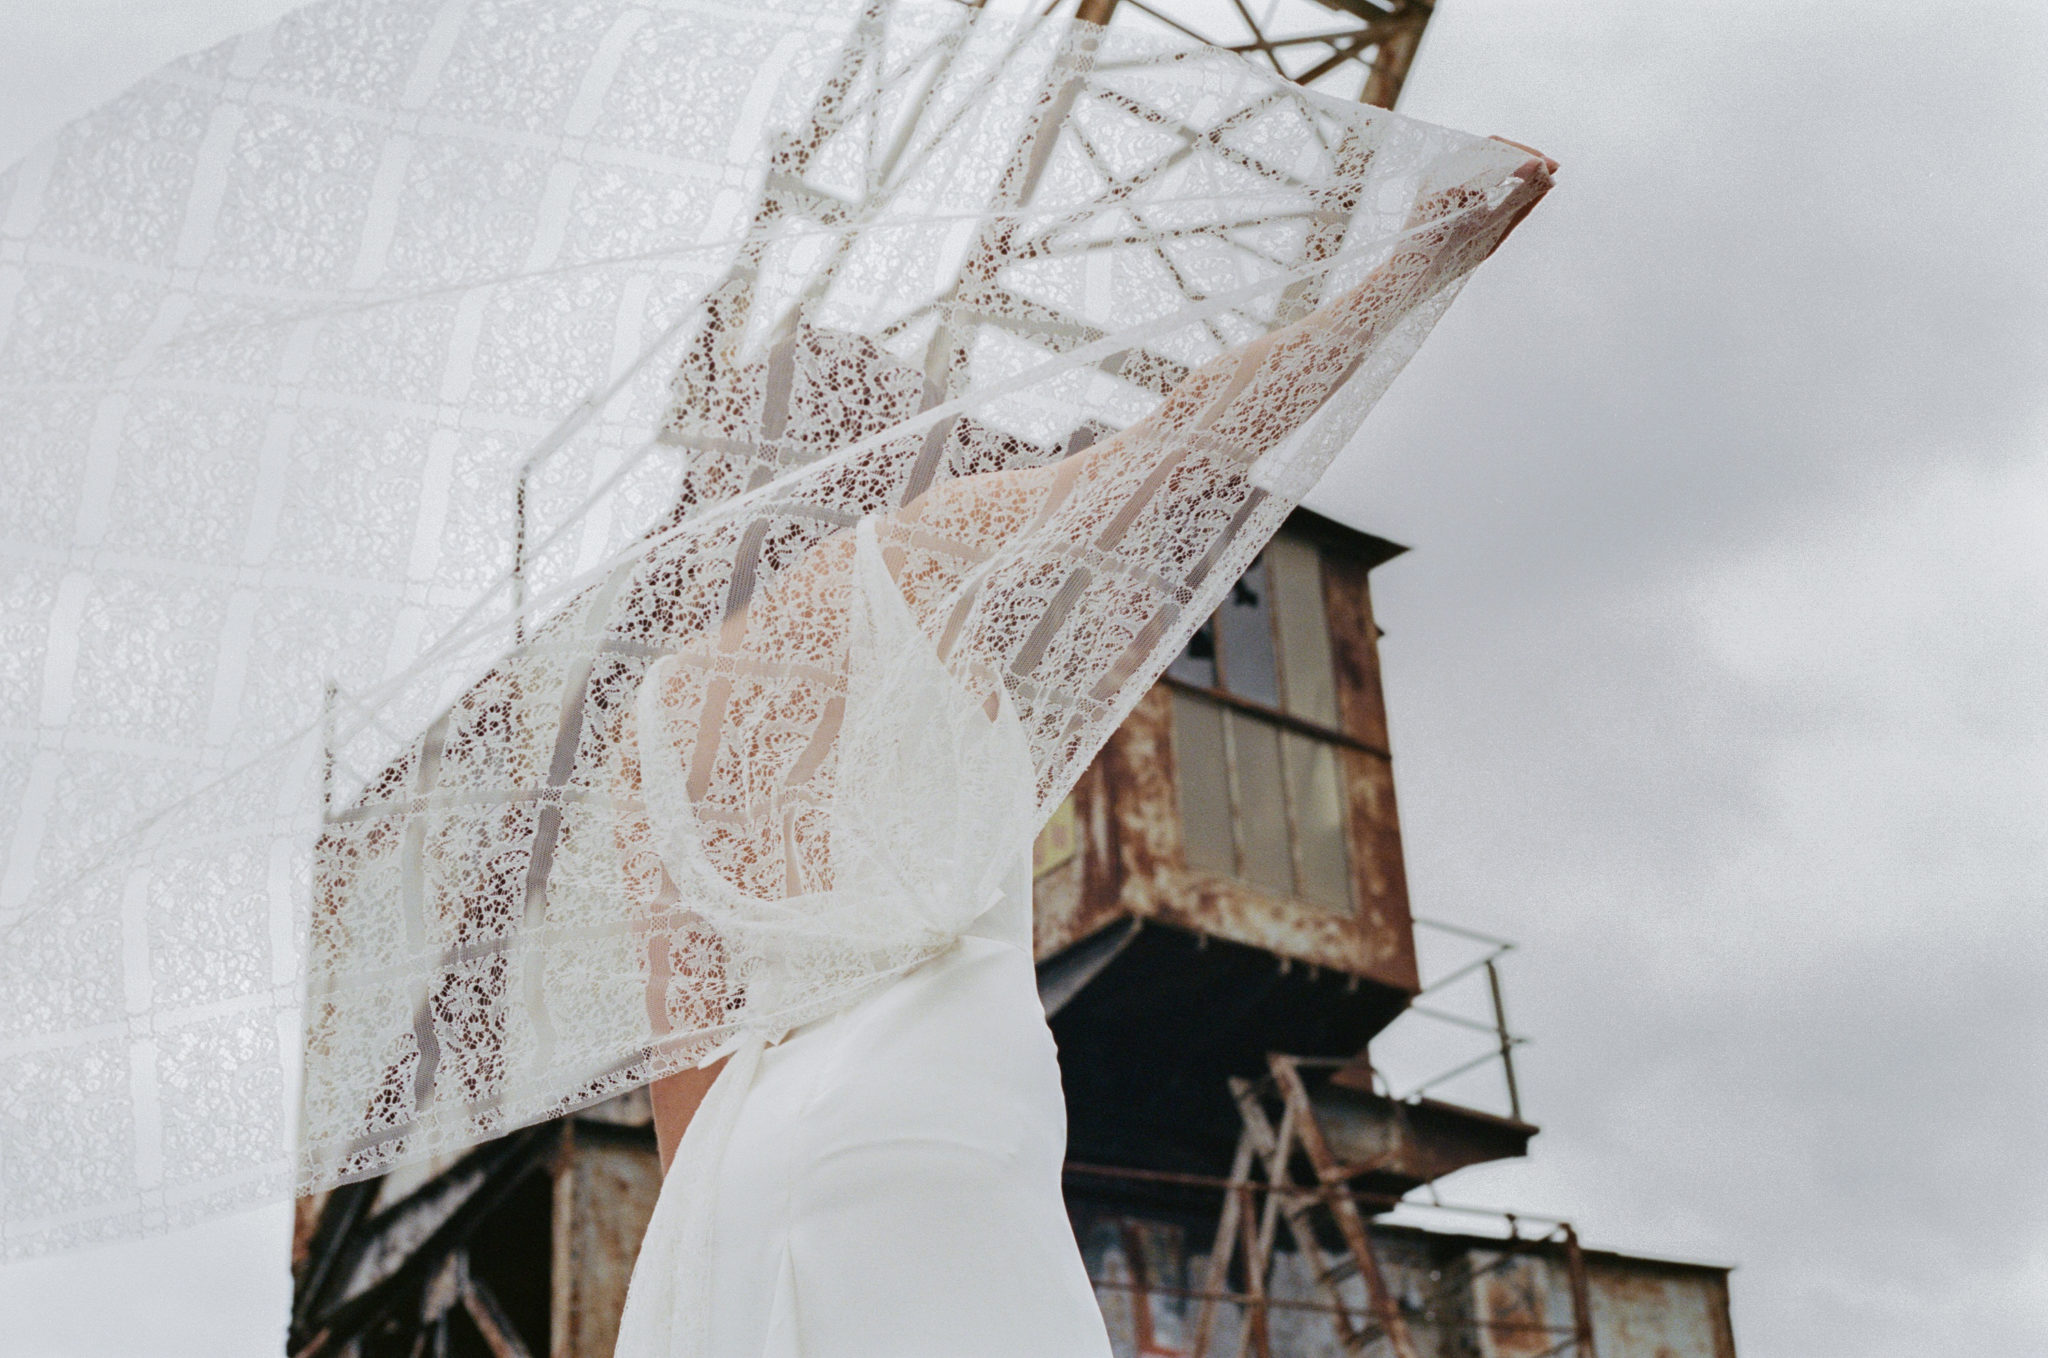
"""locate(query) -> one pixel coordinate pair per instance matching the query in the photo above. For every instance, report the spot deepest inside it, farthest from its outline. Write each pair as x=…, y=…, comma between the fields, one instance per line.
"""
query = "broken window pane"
x=1196, y=664
x=1244, y=638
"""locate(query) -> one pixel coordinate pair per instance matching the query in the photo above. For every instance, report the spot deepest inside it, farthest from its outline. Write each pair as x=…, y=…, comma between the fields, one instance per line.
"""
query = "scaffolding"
x=1285, y=1176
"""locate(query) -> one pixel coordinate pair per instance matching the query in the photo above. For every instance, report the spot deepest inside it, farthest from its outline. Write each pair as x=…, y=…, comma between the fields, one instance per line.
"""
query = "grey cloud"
x=1715, y=676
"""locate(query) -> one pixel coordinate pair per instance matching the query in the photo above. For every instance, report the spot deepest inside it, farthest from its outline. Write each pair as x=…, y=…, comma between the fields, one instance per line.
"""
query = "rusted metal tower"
x=1223, y=931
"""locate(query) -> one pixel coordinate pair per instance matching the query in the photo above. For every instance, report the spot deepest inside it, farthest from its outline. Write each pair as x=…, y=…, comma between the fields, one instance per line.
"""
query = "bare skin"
x=1214, y=387
x=676, y=1099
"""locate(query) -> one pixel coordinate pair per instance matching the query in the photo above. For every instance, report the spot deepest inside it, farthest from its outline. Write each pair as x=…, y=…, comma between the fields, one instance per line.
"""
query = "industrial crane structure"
x=1229, y=963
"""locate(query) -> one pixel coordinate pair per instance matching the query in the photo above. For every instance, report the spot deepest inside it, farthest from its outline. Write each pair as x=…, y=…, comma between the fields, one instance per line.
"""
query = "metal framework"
x=981, y=294
x=1355, y=49
x=1264, y=1194
x=1339, y=40
x=399, y=1281
x=1502, y=1041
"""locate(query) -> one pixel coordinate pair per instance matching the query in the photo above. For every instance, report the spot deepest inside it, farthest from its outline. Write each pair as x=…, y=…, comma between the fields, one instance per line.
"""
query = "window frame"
x=1283, y=722
x=1277, y=716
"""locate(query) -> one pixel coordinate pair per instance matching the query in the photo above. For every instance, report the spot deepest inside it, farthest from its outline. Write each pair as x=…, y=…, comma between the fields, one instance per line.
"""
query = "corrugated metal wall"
x=1463, y=1297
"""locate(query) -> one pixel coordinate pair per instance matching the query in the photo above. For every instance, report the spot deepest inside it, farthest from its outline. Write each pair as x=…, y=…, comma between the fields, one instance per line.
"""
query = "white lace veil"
x=498, y=471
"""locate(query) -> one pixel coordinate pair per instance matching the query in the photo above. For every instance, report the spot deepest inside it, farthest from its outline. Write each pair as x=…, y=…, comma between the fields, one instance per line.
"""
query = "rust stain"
x=1647, y=1309
x=1124, y=829
x=1380, y=875
x=1512, y=1302
x=1077, y=897
x=604, y=1194
x=1137, y=769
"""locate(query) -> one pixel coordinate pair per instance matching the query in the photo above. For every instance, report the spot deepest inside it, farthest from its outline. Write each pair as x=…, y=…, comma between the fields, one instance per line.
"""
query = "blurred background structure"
x=1353, y=49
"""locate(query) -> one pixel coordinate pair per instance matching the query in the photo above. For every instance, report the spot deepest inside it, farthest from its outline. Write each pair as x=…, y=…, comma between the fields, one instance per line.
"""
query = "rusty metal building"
x=1225, y=945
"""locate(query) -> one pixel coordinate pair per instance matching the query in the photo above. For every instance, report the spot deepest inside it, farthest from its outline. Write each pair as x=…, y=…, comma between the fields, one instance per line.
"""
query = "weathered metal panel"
x=1227, y=908
x=1056, y=902
x=1521, y=1304
x=1128, y=826
x=1644, y=1308
x=1461, y=1296
x=1379, y=871
x=1410, y=1144
x=604, y=1194
x=1143, y=815
x=1141, y=826
x=1641, y=1308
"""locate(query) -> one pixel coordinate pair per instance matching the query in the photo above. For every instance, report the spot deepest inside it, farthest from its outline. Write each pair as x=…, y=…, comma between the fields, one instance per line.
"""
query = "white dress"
x=885, y=1181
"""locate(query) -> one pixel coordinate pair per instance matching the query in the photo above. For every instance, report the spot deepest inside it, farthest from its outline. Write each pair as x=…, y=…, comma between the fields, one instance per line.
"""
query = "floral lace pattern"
x=488, y=479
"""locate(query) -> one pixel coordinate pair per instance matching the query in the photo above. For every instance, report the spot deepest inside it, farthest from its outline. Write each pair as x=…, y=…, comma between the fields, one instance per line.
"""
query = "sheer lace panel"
x=546, y=539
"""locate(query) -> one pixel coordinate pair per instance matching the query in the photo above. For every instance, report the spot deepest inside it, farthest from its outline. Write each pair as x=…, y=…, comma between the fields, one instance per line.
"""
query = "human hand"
x=1535, y=173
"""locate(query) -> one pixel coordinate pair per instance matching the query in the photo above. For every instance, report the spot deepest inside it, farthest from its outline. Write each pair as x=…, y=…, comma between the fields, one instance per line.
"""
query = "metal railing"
x=1501, y=1041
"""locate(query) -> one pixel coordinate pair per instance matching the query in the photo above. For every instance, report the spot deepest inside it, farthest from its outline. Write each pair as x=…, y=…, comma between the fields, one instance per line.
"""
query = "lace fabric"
x=497, y=485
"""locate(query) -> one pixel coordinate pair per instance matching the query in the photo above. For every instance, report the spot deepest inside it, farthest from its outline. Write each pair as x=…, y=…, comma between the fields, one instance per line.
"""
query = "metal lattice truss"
x=1090, y=180
x=1354, y=49
x=1097, y=125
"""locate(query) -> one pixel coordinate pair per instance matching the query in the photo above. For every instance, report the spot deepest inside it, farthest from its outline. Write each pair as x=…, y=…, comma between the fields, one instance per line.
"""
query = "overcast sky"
x=1715, y=672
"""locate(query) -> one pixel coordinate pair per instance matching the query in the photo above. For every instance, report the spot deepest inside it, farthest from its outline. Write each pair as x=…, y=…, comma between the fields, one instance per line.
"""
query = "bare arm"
x=676, y=1099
